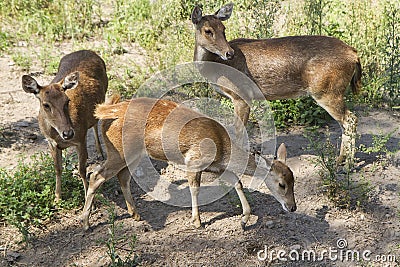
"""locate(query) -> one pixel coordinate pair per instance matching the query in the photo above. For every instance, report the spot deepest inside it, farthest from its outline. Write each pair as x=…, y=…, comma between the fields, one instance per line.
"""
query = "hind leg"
x=113, y=166
x=348, y=146
x=336, y=107
x=97, y=178
x=124, y=178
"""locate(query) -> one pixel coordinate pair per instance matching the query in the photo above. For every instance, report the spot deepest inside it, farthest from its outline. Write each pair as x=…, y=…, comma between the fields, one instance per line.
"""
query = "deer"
x=287, y=67
x=167, y=131
x=67, y=105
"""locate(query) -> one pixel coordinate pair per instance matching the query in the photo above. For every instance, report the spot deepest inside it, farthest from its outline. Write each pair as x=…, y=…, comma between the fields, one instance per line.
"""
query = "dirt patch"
x=165, y=236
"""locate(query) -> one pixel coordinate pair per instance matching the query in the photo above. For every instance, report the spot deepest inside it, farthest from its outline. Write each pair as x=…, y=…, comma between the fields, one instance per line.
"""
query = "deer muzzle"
x=68, y=134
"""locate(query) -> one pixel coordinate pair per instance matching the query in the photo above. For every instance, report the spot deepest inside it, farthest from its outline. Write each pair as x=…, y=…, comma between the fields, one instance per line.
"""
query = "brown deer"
x=166, y=131
x=67, y=105
x=287, y=67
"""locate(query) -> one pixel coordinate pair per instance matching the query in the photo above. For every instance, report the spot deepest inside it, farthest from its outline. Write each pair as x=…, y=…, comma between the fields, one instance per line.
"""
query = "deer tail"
x=110, y=109
x=356, y=80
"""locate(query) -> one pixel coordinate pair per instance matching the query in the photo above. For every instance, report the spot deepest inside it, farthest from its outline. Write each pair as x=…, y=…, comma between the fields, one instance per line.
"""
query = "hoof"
x=244, y=221
x=197, y=224
x=243, y=225
x=136, y=217
x=88, y=229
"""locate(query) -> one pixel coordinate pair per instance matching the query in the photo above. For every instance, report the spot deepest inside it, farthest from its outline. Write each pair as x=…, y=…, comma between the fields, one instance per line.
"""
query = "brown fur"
x=82, y=82
x=166, y=131
x=287, y=67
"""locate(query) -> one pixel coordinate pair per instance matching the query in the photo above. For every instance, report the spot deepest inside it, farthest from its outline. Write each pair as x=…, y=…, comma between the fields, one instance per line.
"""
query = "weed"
x=27, y=192
x=379, y=148
x=164, y=30
x=340, y=186
x=22, y=61
x=113, y=241
x=302, y=111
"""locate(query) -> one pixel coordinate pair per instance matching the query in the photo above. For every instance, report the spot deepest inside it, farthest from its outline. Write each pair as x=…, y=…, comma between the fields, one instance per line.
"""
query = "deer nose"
x=230, y=54
x=68, y=134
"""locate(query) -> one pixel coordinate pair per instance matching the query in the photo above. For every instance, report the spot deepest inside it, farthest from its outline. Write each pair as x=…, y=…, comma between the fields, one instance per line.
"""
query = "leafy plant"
x=114, y=240
x=339, y=185
x=22, y=61
x=163, y=29
x=27, y=193
x=303, y=111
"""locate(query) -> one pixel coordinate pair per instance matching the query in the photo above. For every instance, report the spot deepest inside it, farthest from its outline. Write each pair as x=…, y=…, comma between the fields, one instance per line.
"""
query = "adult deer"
x=67, y=105
x=287, y=67
x=167, y=131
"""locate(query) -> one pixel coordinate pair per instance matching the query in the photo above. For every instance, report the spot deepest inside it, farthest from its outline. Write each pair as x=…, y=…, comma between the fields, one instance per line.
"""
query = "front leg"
x=241, y=107
x=97, y=140
x=245, y=204
x=242, y=112
x=82, y=157
x=231, y=178
x=57, y=159
x=194, y=185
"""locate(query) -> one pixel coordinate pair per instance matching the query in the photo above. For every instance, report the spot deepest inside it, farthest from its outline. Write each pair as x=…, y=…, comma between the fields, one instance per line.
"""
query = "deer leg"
x=336, y=107
x=231, y=178
x=57, y=158
x=97, y=178
x=115, y=165
x=245, y=205
x=124, y=178
x=194, y=185
x=348, y=145
x=82, y=157
x=242, y=112
x=97, y=140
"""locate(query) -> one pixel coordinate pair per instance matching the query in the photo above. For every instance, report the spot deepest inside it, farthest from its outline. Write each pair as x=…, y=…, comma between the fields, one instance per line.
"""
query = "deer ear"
x=225, y=12
x=30, y=85
x=71, y=81
x=196, y=14
x=282, y=153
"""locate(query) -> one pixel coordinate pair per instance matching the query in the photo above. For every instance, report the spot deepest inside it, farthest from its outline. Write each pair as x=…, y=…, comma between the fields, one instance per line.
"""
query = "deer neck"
x=243, y=162
x=202, y=54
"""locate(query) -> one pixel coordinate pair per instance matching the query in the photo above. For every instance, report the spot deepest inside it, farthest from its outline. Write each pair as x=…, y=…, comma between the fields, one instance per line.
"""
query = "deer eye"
x=282, y=186
x=46, y=106
x=208, y=32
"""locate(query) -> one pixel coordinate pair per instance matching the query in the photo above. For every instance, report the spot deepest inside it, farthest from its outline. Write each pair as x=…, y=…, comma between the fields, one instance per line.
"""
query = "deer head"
x=54, y=102
x=210, y=32
x=281, y=181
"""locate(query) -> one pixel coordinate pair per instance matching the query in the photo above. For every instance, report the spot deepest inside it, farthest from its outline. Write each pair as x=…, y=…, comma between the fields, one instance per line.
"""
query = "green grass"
x=343, y=188
x=115, y=241
x=165, y=32
x=27, y=192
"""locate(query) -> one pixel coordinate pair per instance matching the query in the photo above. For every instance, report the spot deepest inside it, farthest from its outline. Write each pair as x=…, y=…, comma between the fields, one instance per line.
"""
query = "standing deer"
x=287, y=67
x=166, y=131
x=67, y=105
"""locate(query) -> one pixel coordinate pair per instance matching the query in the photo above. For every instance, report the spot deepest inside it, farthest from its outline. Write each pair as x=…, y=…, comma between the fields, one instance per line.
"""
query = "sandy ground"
x=165, y=237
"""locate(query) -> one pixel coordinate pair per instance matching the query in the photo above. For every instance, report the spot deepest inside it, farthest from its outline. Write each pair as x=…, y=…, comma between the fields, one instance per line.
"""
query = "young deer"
x=166, y=131
x=67, y=105
x=287, y=67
